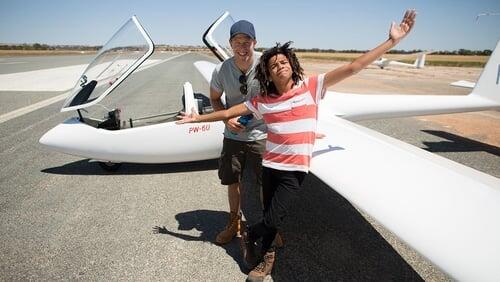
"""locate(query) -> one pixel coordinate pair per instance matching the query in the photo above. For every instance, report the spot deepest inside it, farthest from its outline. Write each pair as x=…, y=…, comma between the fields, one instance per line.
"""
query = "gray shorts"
x=236, y=156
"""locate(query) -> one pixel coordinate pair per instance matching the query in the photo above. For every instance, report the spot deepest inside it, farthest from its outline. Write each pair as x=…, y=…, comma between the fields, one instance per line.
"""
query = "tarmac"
x=63, y=218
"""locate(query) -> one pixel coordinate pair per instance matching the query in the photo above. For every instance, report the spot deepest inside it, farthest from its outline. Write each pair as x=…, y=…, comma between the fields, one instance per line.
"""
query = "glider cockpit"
x=128, y=49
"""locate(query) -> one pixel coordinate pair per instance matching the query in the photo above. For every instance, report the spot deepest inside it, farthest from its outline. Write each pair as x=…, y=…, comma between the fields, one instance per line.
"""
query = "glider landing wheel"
x=109, y=166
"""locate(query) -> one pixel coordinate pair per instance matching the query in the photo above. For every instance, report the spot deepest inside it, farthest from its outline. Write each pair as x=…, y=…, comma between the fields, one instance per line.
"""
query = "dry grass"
x=328, y=56
x=431, y=60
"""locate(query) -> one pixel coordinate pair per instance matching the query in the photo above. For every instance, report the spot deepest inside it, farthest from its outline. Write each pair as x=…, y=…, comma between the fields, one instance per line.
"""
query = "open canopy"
x=216, y=38
x=129, y=47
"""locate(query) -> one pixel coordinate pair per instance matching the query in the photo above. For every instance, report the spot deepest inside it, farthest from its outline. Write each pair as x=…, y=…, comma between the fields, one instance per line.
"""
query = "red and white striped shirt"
x=291, y=124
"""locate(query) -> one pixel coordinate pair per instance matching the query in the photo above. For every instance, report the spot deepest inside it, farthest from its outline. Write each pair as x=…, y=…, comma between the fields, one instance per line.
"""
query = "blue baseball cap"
x=244, y=27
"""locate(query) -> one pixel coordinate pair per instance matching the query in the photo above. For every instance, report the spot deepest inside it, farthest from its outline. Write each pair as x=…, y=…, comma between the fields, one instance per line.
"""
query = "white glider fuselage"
x=158, y=143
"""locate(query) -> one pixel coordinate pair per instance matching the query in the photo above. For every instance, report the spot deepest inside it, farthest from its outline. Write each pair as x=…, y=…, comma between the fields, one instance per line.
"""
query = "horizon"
x=160, y=45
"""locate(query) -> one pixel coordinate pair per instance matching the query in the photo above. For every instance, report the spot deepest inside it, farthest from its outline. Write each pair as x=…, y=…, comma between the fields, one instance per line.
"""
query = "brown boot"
x=262, y=269
x=232, y=229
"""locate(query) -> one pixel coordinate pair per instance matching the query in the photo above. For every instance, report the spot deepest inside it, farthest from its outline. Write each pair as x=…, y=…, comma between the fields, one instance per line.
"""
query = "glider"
x=419, y=62
x=446, y=211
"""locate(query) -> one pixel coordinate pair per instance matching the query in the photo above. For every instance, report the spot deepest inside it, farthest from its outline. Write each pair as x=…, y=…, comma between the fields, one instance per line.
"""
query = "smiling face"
x=242, y=46
x=279, y=68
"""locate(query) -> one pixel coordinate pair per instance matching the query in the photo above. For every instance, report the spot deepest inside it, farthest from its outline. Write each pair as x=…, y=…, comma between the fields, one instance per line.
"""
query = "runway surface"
x=64, y=218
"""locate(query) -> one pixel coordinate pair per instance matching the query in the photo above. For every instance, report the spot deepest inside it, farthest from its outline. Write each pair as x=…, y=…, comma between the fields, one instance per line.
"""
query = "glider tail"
x=488, y=84
x=420, y=61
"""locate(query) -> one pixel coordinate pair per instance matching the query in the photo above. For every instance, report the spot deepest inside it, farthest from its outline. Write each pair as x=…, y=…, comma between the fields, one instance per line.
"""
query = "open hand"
x=233, y=125
x=184, y=118
x=398, y=32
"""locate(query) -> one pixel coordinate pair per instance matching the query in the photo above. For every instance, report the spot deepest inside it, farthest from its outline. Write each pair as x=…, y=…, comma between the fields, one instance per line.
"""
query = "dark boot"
x=248, y=250
x=278, y=240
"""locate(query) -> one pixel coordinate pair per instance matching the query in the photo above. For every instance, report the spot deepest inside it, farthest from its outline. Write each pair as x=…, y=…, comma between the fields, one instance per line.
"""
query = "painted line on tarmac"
x=50, y=101
x=30, y=108
x=11, y=63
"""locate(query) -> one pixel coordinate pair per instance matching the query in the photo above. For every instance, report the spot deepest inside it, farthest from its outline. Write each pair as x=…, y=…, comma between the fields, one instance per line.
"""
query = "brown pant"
x=236, y=155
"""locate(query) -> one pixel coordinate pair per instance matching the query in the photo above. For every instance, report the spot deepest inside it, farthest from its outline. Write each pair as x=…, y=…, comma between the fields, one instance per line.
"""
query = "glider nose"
x=48, y=139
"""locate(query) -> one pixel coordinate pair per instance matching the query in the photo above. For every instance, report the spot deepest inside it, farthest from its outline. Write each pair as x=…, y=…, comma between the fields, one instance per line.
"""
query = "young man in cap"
x=244, y=142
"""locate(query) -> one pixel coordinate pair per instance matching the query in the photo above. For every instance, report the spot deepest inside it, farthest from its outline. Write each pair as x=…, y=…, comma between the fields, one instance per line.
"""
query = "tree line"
x=465, y=52
x=38, y=46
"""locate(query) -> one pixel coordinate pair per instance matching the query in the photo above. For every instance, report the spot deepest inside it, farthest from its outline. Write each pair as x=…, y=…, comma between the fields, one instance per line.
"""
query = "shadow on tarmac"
x=87, y=167
x=208, y=223
x=326, y=239
x=457, y=143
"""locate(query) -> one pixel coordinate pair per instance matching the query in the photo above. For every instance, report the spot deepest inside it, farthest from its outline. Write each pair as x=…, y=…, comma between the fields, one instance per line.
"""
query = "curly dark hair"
x=262, y=73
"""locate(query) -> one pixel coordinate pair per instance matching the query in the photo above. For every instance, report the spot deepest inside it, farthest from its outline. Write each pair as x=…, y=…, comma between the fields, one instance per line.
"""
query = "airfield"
x=64, y=218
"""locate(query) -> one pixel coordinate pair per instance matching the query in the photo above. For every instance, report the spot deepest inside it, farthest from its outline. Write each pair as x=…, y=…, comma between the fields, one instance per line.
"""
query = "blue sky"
x=362, y=24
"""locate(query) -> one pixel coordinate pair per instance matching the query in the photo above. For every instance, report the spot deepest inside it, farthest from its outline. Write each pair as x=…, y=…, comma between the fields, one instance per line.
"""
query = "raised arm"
x=234, y=111
x=396, y=33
